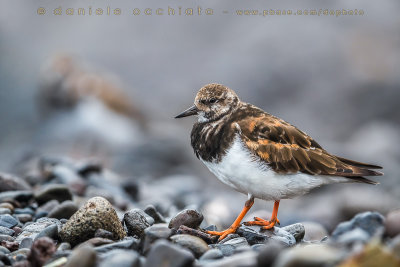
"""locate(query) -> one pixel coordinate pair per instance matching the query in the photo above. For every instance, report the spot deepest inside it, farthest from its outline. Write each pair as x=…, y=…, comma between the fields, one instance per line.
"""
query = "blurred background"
x=105, y=88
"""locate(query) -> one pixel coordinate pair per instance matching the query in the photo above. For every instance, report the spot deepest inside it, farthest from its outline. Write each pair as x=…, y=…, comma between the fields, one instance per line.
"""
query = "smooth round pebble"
x=187, y=217
x=195, y=244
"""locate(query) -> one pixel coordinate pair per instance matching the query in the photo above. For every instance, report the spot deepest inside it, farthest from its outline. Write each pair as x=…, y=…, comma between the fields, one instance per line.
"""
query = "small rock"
x=6, y=220
x=97, y=213
x=20, y=196
x=104, y=234
x=155, y=232
x=356, y=235
x=97, y=241
x=63, y=211
x=10, y=182
x=58, y=192
x=189, y=218
x=163, y=253
x=49, y=205
x=297, y=230
x=275, y=234
x=268, y=253
x=121, y=258
x=228, y=248
x=19, y=255
x=245, y=259
x=6, y=205
x=26, y=243
x=5, y=211
x=10, y=245
x=6, y=238
x=24, y=211
x=50, y=231
x=82, y=257
x=314, y=231
x=195, y=244
x=4, y=259
x=212, y=254
x=370, y=222
x=41, y=251
x=33, y=229
x=132, y=244
x=4, y=250
x=6, y=231
x=64, y=246
x=392, y=223
x=136, y=222
x=151, y=211
x=24, y=218
x=310, y=255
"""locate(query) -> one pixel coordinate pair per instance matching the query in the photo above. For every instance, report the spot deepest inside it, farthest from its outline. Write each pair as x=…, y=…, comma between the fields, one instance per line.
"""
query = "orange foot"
x=223, y=234
x=264, y=223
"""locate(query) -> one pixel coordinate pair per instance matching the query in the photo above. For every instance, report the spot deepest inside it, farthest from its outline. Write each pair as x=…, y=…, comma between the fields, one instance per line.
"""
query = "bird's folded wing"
x=286, y=149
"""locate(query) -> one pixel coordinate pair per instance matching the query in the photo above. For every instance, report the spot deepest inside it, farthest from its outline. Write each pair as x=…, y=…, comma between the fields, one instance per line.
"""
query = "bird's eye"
x=213, y=100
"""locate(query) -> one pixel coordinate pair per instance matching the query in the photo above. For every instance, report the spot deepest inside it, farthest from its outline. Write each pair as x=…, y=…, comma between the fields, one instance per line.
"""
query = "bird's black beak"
x=189, y=112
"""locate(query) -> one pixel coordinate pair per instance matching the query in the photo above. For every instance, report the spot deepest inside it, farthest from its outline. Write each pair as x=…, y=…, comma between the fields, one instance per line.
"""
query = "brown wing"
x=286, y=149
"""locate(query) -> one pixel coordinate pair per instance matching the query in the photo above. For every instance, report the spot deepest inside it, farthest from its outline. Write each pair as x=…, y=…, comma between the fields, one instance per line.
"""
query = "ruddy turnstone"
x=261, y=155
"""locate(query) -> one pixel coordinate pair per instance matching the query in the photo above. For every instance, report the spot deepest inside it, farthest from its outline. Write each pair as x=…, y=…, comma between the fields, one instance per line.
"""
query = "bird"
x=261, y=155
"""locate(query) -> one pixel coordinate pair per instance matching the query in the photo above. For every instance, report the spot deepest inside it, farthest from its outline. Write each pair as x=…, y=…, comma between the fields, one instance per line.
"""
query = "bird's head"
x=213, y=101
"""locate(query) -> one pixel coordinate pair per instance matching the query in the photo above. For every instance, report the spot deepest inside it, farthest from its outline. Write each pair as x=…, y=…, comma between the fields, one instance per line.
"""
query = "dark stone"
x=121, y=258
x=87, y=167
x=6, y=220
x=63, y=211
x=50, y=231
x=268, y=254
x=58, y=192
x=195, y=244
x=64, y=246
x=297, y=230
x=4, y=258
x=26, y=243
x=10, y=245
x=97, y=241
x=392, y=223
x=97, y=213
x=104, y=234
x=131, y=243
x=136, y=222
x=10, y=182
x=275, y=234
x=132, y=189
x=153, y=233
x=20, y=196
x=370, y=222
x=84, y=256
x=24, y=211
x=6, y=231
x=24, y=218
x=163, y=253
x=212, y=254
x=189, y=218
x=151, y=211
x=49, y=205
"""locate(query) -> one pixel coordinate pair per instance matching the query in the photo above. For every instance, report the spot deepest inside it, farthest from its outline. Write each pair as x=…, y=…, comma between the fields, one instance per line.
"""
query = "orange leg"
x=235, y=225
x=264, y=223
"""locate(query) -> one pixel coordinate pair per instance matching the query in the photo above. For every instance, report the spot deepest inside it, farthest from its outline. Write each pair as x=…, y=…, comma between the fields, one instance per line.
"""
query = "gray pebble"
x=104, y=234
x=297, y=230
x=195, y=244
x=63, y=211
x=189, y=218
x=58, y=192
x=82, y=257
x=268, y=253
x=228, y=248
x=24, y=218
x=121, y=258
x=20, y=196
x=155, y=232
x=64, y=246
x=26, y=243
x=34, y=228
x=50, y=231
x=392, y=223
x=6, y=231
x=5, y=211
x=10, y=182
x=4, y=250
x=163, y=253
x=212, y=254
x=6, y=238
x=131, y=243
x=151, y=211
x=136, y=222
x=24, y=211
x=275, y=234
x=6, y=220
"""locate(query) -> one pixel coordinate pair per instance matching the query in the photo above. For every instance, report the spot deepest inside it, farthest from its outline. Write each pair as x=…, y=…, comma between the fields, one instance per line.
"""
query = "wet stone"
x=24, y=211
x=82, y=257
x=212, y=254
x=163, y=253
x=131, y=243
x=136, y=222
x=195, y=244
x=63, y=211
x=58, y=192
x=6, y=231
x=189, y=218
x=6, y=220
x=97, y=213
x=33, y=229
x=155, y=232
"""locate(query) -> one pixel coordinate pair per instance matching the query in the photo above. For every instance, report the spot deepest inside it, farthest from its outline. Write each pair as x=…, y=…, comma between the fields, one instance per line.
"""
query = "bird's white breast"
x=246, y=173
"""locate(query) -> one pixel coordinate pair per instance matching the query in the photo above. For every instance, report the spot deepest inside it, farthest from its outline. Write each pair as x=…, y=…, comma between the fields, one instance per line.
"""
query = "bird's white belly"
x=244, y=172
